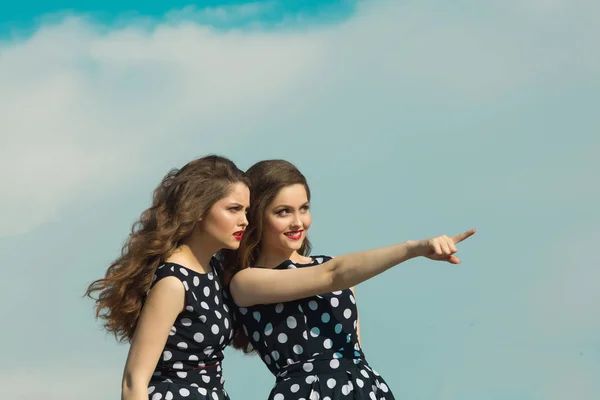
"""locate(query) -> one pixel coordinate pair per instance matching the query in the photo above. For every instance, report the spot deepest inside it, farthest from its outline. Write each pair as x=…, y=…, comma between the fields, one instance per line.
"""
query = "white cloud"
x=83, y=106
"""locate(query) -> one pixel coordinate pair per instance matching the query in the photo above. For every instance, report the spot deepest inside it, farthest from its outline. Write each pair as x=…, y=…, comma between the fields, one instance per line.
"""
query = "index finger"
x=463, y=236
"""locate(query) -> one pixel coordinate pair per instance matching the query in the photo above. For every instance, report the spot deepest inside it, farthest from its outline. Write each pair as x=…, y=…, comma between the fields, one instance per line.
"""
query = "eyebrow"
x=287, y=206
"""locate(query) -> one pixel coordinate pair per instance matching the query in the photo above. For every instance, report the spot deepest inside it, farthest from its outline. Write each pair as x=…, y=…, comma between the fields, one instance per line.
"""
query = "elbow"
x=238, y=296
x=332, y=277
x=132, y=385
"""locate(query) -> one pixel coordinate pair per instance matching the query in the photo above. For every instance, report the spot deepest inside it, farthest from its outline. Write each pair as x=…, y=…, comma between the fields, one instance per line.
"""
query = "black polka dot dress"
x=190, y=364
x=311, y=346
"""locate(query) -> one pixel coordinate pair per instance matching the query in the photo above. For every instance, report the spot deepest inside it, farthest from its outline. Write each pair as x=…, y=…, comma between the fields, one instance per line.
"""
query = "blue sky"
x=409, y=120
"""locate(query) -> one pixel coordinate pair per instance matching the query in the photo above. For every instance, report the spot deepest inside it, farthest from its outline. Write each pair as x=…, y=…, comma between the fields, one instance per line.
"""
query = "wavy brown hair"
x=267, y=178
x=182, y=198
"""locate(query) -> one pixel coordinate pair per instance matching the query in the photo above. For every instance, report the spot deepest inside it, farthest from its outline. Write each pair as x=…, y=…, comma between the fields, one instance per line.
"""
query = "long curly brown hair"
x=267, y=178
x=182, y=198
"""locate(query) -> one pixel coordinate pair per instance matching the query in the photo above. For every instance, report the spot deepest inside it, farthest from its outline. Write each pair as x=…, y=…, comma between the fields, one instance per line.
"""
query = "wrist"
x=413, y=248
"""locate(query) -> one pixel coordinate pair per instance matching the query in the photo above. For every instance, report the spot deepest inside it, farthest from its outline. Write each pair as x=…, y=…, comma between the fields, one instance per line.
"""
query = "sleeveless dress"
x=190, y=364
x=311, y=346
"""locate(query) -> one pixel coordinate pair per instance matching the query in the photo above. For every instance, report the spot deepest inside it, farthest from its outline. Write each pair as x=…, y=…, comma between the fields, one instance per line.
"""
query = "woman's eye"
x=282, y=212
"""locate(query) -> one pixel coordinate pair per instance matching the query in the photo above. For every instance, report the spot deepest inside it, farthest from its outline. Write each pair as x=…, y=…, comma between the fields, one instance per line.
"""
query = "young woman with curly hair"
x=299, y=312
x=163, y=294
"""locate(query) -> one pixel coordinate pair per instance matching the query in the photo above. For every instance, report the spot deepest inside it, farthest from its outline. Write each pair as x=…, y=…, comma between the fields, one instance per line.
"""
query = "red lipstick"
x=294, y=235
x=238, y=235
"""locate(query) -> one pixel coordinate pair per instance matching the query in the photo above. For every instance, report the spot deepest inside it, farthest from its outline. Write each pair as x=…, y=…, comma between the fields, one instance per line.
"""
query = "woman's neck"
x=271, y=258
x=194, y=254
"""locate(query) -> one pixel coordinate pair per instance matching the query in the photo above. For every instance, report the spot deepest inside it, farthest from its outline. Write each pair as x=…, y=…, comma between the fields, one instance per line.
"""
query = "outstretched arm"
x=266, y=286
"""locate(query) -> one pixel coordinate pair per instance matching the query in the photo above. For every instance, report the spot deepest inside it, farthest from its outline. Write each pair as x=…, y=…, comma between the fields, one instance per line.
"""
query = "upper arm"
x=266, y=286
x=164, y=302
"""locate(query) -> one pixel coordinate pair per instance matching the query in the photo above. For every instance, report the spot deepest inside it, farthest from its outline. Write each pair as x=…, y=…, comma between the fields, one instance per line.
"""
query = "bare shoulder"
x=167, y=287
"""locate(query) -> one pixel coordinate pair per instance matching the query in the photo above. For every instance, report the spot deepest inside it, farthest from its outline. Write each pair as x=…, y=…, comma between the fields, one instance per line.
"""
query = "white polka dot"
x=325, y=317
x=196, y=281
x=305, y=335
x=256, y=315
x=226, y=323
x=189, y=308
x=278, y=396
x=292, y=266
x=372, y=396
x=169, y=396
x=214, y=329
x=178, y=365
x=310, y=379
x=204, y=305
x=335, y=302
x=334, y=363
x=206, y=291
x=202, y=391
x=295, y=387
x=307, y=367
x=337, y=292
x=282, y=338
x=345, y=390
x=182, y=374
x=352, y=299
x=256, y=336
x=167, y=355
x=184, y=392
x=275, y=355
x=384, y=387
x=156, y=396
x=331, y=383
x=319, y=260
x=182, y=345
x=364, y=373
x=217, y=300
x=290, y=361
x=268, y=329
x=186, y=322
x=347, y=313
x=279, y=308
x=312, y=305
x=328, y=343
x=198, y=337
x=360, y=382
x=243, y=310
x=298, y=349
x=267, y=359
x=193, y=357
x=314, y=332
x=218, y=314
x=206, y=378
x=291, y=322
x=186, y=286
x=151, y=389
x=314, y=395
x=203, y=319
x=183, y=271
